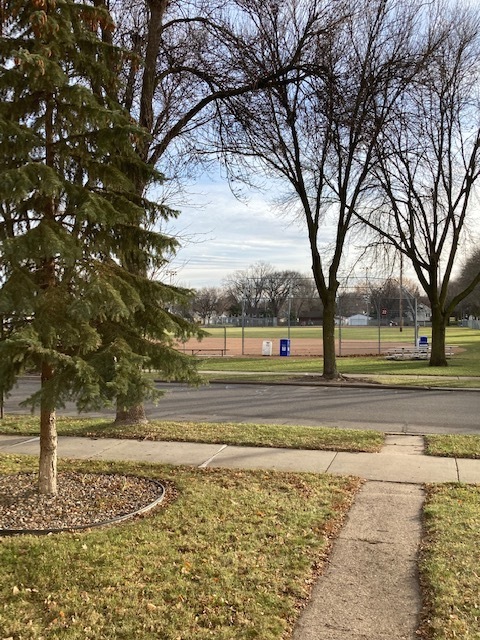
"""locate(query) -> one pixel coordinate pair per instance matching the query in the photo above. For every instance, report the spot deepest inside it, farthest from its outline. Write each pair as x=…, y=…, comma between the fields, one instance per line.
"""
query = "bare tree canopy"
x=262, y=290
x=316, y=134
x=188, y=55
x=427, y=166
x=208, y=302
x=470, y=305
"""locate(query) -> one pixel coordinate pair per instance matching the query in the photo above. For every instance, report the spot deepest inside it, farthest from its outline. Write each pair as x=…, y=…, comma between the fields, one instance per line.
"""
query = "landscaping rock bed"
x=83, y=500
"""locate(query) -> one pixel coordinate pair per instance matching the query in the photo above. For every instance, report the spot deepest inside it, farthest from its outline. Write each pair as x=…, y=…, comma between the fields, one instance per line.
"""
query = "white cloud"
x=225, y=235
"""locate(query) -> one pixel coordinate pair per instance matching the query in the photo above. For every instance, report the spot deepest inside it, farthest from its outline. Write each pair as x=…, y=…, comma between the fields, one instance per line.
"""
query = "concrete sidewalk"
x=400, y=460
x=370, y=588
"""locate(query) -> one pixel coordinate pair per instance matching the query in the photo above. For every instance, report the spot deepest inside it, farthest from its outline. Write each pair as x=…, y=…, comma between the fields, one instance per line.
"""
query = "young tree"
x=428, y=167
x=316, y=134
x=68, y=204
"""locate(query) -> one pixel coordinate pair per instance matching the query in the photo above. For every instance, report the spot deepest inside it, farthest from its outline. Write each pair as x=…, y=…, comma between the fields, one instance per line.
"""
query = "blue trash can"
x=423, y=344
x=284, y=347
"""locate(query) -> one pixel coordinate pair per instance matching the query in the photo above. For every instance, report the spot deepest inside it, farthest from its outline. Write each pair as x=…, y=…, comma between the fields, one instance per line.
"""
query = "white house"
x=358, y=320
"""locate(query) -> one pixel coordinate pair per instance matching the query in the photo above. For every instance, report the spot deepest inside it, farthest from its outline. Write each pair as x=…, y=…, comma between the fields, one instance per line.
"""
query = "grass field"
x=390, y=334
x=232, y=556
x=465, y=362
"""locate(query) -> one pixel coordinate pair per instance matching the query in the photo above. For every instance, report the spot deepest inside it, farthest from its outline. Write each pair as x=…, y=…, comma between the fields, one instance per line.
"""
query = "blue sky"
x=222, y=235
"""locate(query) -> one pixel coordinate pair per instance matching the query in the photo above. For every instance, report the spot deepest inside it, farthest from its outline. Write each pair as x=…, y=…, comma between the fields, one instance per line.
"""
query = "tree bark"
x=130, y=415
x=330, y=371
x=47, y=471
x=437, y=354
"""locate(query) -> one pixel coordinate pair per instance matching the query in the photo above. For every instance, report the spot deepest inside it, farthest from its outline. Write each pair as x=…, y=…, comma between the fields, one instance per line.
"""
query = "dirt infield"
x=300, y=347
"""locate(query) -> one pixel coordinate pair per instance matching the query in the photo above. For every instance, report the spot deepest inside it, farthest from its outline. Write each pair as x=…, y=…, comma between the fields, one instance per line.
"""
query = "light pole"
x=171, y=274
x=289, y=311
x=400, y=301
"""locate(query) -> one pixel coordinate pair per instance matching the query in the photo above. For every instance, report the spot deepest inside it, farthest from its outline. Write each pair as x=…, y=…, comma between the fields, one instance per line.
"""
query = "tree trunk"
x=47, y=470
x=437, y=353
x=330, y=371
x=130, y=415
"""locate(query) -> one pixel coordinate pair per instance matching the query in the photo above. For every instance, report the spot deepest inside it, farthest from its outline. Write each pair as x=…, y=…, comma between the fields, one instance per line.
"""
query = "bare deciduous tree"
x=262, y=290
x=207, y=302
x=428, y=167
x=316, y=135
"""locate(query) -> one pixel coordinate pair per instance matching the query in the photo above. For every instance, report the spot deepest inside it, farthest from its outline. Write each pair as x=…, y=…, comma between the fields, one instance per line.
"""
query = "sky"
x=221, y=235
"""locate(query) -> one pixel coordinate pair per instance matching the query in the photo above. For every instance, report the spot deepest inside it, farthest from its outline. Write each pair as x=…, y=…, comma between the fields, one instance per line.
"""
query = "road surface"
x=398, y=410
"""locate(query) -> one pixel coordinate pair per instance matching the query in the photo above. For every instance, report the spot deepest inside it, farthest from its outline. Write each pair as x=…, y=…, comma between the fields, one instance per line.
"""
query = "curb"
x=344, y=385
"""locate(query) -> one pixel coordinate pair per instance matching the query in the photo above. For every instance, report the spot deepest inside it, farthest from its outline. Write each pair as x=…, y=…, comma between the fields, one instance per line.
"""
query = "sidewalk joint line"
x=333, y=460
x=458, y=470
x=207, y=462
x=17, y=444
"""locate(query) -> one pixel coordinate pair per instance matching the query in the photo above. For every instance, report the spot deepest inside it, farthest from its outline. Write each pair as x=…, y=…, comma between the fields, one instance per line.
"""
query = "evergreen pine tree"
x=69, y=214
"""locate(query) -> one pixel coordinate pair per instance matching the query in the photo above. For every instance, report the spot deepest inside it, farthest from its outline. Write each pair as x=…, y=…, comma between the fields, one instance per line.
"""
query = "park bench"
x=213, y=352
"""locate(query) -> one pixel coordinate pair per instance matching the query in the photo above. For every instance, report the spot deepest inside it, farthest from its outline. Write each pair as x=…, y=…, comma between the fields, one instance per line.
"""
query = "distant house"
x=358, y=320
x=310, y=318
x=424, y=314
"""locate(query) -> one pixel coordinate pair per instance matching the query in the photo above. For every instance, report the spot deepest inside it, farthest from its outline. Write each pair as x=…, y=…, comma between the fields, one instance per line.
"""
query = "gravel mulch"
x=83, y=500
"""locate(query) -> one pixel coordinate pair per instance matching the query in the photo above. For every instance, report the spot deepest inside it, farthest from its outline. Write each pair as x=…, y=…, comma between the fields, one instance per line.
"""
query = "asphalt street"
x=390, y=410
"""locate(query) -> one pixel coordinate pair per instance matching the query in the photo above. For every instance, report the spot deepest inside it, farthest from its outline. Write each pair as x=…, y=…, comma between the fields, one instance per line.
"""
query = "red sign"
x=384, y=312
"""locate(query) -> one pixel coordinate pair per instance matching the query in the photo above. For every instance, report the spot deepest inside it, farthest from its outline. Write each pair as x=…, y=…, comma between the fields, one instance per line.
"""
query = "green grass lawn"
x=410, y=379
x=466, y=363
x=453, y=446
x=232, y=557
x=449, y=565
x=388, y=334
x=255, y=435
